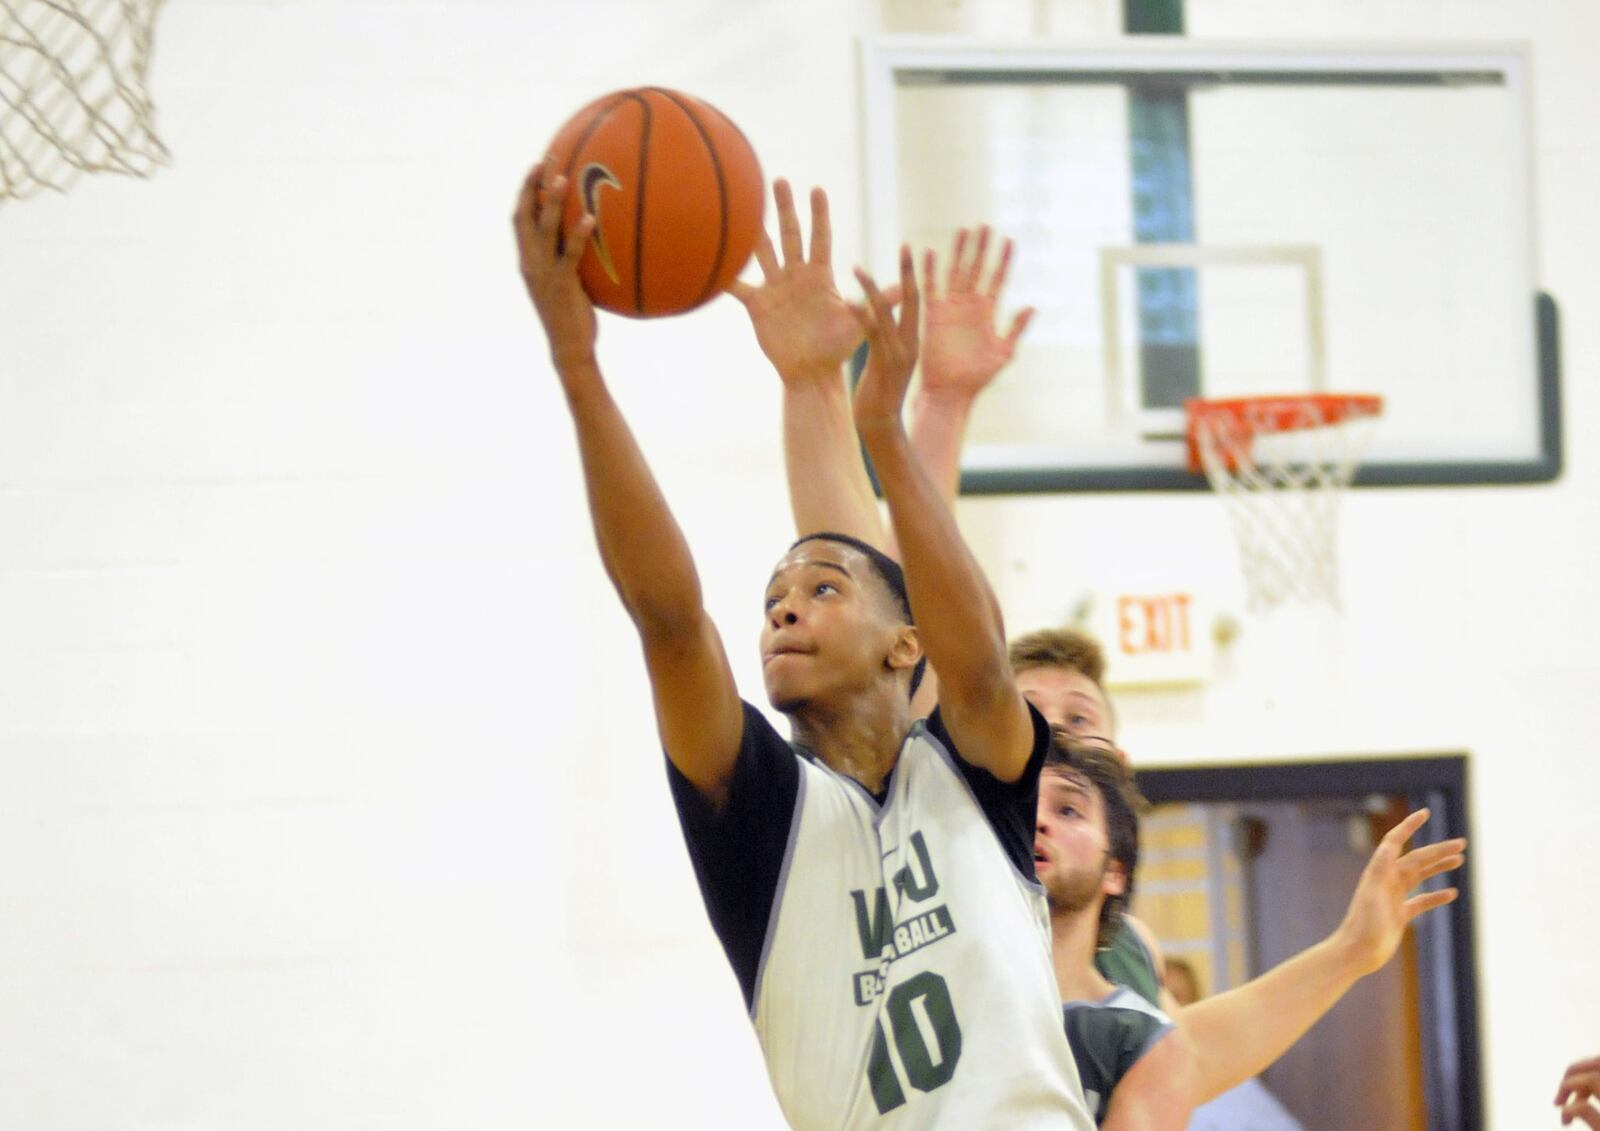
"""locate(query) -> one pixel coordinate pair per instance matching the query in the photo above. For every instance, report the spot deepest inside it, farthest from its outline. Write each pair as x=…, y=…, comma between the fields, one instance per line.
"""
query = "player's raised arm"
x=963, y=351
x=644, y=552
x=957, y=618
x=1238, y=1033
x=805, y=328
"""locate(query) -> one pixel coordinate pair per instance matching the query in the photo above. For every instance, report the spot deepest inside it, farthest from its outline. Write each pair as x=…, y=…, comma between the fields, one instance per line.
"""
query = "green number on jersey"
x=922, y=1070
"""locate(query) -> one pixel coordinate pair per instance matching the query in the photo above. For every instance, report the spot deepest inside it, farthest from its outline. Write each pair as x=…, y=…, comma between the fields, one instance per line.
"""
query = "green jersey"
x=1127, y=962
x=1108, y=1038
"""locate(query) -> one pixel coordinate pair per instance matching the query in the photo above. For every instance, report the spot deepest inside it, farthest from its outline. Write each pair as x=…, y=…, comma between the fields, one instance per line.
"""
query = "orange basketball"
x=676, y=193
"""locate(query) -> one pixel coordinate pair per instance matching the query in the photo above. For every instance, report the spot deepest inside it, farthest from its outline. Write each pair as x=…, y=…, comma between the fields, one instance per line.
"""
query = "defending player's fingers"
x=876, y=309
x=1437, y=867
x=1582, y=1079
x=821, y=228
x=1423, y=861
x=788, y=223
x=1394, y=840
x=1582, y=1068
x=997, y=281
x=958, y=249
x=974, y=269
x=1427, y=901
x=767, y=258
x=873, y=318
x=1018, y=325
x=930, y=277
x=1581, y=1110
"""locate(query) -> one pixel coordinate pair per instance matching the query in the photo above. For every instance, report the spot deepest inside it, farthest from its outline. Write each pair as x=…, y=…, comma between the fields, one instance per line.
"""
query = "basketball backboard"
x=1225, y=220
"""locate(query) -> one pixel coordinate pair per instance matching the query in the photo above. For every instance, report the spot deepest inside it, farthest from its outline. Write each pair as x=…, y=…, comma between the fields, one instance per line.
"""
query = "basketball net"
x=1281, y=465
x=72, y=92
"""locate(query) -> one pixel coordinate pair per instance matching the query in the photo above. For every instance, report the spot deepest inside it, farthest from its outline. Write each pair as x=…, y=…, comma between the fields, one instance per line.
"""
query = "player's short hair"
x=1122, y=803
x=1059, y=648
x=893, y=577
x=1062, y=648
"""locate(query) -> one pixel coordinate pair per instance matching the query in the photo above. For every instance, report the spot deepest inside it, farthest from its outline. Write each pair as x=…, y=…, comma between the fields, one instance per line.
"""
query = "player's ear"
x=1116, y=879
x=905, y=650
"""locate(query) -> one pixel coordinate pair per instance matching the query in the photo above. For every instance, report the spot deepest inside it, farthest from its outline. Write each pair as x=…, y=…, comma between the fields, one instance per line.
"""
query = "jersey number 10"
x=922, y=1070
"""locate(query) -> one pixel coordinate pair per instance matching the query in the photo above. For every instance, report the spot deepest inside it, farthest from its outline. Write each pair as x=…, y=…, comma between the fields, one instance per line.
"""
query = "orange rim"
x=1249, y=415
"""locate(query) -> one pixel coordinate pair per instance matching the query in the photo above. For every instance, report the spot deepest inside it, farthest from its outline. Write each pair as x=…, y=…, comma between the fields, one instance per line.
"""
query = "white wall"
x=329, y=795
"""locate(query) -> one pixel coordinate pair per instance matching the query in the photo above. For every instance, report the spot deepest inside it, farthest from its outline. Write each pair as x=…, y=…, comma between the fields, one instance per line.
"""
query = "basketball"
x=677, y=196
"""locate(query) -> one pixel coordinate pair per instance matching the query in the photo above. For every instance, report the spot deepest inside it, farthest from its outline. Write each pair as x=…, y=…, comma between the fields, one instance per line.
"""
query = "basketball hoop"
x=1280, y=465
x=72, y=92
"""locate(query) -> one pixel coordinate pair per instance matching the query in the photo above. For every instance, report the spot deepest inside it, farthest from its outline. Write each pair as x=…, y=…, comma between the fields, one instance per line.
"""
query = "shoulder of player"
x=1123, y=1007
x=1147, y=938
x=934, y=727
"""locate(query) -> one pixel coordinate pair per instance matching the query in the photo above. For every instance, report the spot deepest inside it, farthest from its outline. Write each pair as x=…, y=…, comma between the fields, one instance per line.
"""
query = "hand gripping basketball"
x=551, y=270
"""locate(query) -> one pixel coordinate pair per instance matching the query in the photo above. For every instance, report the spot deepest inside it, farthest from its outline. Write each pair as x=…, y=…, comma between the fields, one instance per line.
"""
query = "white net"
x=1281, y=465
x=72, y=92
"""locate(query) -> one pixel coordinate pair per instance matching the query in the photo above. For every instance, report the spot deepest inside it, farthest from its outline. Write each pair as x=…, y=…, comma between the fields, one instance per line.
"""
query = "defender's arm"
x=964, y=352
x=806, y=330
x=1157, y=1093
x=1239, y=1033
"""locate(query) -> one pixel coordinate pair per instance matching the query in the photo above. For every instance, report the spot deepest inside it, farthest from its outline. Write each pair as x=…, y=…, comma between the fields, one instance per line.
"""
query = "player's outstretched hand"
x=550, y=265
x=802, y=322
x=891, y=350
x=962, y=350
x=1382, y=907
x=1579, y=1094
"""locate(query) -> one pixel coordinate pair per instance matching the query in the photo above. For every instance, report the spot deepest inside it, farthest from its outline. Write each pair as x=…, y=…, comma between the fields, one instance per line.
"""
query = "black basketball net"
x=72, y=92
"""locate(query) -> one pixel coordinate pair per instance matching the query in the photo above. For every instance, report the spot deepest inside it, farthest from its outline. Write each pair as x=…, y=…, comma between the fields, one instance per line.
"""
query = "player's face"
x=828, y=629
x=1071, y=845
x=1067, y=699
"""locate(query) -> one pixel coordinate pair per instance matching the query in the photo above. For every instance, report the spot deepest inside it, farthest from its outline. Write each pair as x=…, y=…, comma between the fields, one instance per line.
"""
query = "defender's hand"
x=892, y=346
x=1380, y=910
x=550, y=265
x=964, y=352
x=1579, y=1094
x=802, y=322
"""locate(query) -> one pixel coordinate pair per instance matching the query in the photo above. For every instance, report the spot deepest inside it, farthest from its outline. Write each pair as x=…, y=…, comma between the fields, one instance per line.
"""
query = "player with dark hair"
x=800, y=323
x=1061, y=671
x=1136, y=1070
x=892, y=576
x=872, y=882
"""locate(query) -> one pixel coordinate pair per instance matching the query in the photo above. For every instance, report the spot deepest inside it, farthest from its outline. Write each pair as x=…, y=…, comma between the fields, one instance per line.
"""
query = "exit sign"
x=1162, y=637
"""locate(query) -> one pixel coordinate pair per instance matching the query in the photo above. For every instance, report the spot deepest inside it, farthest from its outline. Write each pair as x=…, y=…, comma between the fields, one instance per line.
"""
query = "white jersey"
x=903, y=979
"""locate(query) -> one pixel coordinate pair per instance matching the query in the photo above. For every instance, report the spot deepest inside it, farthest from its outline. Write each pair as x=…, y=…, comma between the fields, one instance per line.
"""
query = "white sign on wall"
x=1154, y=637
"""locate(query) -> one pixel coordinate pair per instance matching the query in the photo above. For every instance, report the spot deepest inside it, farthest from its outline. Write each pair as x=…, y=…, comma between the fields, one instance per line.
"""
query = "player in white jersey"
x=799, y=323
x=872, y=883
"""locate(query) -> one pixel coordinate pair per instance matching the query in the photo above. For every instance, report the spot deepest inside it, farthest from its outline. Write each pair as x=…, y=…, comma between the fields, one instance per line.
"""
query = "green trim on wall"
x=1152, y=17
